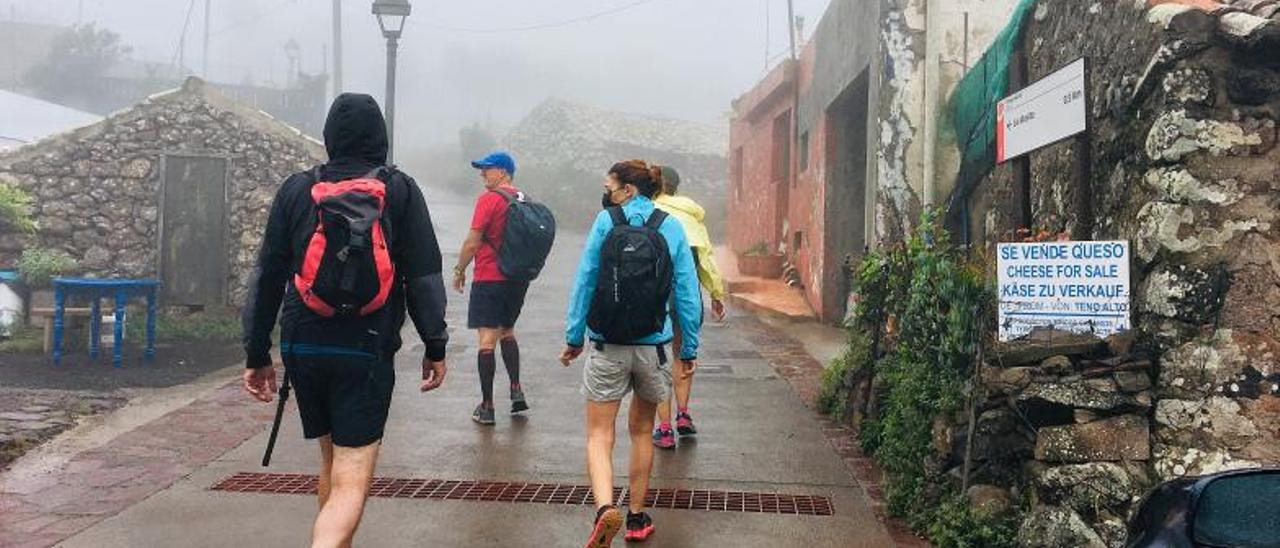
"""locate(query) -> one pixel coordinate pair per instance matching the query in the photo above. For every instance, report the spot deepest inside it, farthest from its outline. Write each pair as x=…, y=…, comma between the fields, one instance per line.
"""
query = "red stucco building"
x=799, y=158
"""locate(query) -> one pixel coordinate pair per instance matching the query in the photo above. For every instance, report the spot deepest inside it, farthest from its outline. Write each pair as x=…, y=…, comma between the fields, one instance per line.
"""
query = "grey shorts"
x=612, y=372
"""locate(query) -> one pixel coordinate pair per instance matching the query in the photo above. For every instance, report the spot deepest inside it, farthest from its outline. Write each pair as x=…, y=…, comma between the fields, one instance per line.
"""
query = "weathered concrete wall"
x=951, y=55
x=923, y=54
x=1185, y=167
x=97, y=189
x=899, y=161
x=829, y=204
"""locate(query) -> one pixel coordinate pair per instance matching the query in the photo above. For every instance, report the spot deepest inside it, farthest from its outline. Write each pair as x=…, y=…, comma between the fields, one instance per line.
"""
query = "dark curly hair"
x=647, y=178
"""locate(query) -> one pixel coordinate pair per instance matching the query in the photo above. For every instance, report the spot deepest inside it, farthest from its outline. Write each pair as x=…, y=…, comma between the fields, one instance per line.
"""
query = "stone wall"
x=97, y=189
x=1064, y=422
x=1185, y=167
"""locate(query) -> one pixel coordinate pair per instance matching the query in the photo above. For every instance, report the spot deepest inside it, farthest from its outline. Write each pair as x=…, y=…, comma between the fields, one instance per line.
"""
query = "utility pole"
x=13, y=42
x=791, y=27
x=794, y=168
x=204, y=66
x=337, y=47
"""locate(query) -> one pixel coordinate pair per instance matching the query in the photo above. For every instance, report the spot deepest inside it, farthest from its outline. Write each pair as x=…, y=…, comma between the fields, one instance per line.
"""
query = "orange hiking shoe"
x=608, y=522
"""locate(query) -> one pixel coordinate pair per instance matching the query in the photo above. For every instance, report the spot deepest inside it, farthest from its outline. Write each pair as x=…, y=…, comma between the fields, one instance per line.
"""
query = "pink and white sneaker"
x=664, y=438
x=684, y=424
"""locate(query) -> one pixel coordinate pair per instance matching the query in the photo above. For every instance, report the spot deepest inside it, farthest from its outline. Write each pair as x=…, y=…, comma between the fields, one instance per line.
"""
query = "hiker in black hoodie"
x=342, y=366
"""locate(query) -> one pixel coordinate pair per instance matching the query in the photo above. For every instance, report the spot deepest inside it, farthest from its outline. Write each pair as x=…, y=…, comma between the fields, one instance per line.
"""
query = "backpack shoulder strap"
x=381, y=173
x=655, y=219
x=619, y=218
x=511, y=199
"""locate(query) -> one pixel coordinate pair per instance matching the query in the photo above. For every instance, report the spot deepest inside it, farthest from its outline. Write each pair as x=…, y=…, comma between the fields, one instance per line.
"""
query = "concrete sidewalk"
x=757, y=436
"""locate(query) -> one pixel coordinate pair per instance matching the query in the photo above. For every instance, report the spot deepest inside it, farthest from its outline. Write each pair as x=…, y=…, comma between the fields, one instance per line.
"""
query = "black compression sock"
x=488, y=365
x=511, y=359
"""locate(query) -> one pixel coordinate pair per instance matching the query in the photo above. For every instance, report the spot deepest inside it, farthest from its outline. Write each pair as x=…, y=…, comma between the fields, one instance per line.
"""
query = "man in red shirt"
x=495, y=300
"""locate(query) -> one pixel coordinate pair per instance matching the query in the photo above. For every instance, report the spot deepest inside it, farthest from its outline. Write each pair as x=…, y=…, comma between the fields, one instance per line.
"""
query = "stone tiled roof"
x=1266, y=9
x=1241, y=20
x=1253, y=24
x=559, y=131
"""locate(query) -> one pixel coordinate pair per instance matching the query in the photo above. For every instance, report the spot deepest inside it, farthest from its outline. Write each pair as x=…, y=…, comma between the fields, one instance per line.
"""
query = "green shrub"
x=943, y=302
x=15, y=213
x=954, y=524
x=935, y=354
x=842, y=374
x=39, y=266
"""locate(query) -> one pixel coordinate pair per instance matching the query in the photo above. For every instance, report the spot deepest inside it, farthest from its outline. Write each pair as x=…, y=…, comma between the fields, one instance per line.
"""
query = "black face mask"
x=606, y=201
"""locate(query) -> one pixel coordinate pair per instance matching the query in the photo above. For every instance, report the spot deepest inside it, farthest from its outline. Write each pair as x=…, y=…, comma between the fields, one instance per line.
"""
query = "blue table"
x=96, y=290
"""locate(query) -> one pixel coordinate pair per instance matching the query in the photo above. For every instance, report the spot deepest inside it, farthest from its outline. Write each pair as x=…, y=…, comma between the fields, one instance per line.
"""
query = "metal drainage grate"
x=540, y=493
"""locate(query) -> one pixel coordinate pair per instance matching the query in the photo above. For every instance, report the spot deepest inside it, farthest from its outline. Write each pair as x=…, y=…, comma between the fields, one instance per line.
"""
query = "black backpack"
x=634, y=284
x=526, y=239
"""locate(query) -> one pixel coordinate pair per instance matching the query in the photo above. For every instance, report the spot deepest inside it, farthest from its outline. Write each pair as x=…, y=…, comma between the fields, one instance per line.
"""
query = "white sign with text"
x=1041, y=114
x=1082, y=287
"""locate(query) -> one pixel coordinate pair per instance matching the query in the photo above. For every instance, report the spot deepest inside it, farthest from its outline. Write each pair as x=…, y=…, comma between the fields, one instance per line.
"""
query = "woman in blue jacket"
x=615, y=368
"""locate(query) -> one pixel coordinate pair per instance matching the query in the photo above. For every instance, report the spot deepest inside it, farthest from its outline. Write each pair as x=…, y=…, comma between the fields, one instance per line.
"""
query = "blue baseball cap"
x=497, y=159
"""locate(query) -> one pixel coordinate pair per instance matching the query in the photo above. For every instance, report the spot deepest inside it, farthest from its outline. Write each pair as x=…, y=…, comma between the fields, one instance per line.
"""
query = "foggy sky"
x=675, y=58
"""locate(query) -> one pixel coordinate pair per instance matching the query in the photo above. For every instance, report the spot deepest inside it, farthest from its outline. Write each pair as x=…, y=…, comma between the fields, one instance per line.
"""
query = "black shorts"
x=346, y=397
x=496, y=305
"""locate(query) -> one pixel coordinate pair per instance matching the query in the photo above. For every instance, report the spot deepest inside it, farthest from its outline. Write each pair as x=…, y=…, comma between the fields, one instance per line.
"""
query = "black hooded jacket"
x=355, y=137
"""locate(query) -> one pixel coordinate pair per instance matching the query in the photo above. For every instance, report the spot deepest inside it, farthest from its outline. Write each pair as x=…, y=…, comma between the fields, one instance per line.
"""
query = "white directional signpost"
x=1082, y=287
x=1043, y=113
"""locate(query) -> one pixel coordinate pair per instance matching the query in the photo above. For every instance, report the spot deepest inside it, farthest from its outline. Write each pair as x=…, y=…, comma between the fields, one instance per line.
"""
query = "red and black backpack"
x=347, y=270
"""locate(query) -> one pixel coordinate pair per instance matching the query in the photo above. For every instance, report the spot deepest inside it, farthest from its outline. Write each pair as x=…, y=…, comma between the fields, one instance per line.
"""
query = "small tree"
x=77, y=60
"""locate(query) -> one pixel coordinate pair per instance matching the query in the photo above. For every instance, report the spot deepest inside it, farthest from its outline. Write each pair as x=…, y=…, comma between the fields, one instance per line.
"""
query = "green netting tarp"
x=973, y=103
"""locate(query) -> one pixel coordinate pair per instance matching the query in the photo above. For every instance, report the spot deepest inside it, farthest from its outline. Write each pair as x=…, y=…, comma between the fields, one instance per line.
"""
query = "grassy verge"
x=221, y=327
x=24, y=340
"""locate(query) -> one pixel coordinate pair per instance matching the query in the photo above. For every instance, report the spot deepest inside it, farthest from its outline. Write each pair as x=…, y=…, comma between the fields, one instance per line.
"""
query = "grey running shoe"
x=518, y=403
x=483, y=415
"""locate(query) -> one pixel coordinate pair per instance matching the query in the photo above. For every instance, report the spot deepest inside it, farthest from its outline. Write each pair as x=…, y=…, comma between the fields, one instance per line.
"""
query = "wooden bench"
x=46, y=318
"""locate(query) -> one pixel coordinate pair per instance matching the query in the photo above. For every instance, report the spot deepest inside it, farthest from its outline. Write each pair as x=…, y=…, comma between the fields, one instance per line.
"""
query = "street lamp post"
x=391, y=16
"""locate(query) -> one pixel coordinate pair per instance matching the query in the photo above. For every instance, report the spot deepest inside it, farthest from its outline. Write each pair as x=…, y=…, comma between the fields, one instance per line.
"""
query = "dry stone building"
x=176, y=187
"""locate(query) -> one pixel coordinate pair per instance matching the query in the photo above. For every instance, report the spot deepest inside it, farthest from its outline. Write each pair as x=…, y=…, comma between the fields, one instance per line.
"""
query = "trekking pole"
x=275, y=426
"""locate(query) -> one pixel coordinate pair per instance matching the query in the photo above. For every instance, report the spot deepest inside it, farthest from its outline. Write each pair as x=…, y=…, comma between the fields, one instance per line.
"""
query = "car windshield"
x=1241, y=510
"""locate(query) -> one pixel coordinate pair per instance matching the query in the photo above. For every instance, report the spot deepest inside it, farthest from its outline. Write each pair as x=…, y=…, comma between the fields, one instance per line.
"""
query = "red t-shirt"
x=490, y=219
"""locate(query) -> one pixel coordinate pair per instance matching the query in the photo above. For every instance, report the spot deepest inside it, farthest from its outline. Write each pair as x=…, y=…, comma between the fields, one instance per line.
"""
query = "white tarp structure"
x=26, y=119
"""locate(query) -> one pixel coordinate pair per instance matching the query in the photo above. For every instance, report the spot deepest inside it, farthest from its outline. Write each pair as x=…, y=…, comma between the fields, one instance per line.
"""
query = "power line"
x=541, y=26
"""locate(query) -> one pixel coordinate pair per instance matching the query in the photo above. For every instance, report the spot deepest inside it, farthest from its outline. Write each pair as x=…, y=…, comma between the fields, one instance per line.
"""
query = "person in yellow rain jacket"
x=691, y=216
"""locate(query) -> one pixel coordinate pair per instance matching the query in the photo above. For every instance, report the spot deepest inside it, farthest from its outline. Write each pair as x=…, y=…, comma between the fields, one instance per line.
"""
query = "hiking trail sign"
x=1043, y=113
x=1082, y=287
